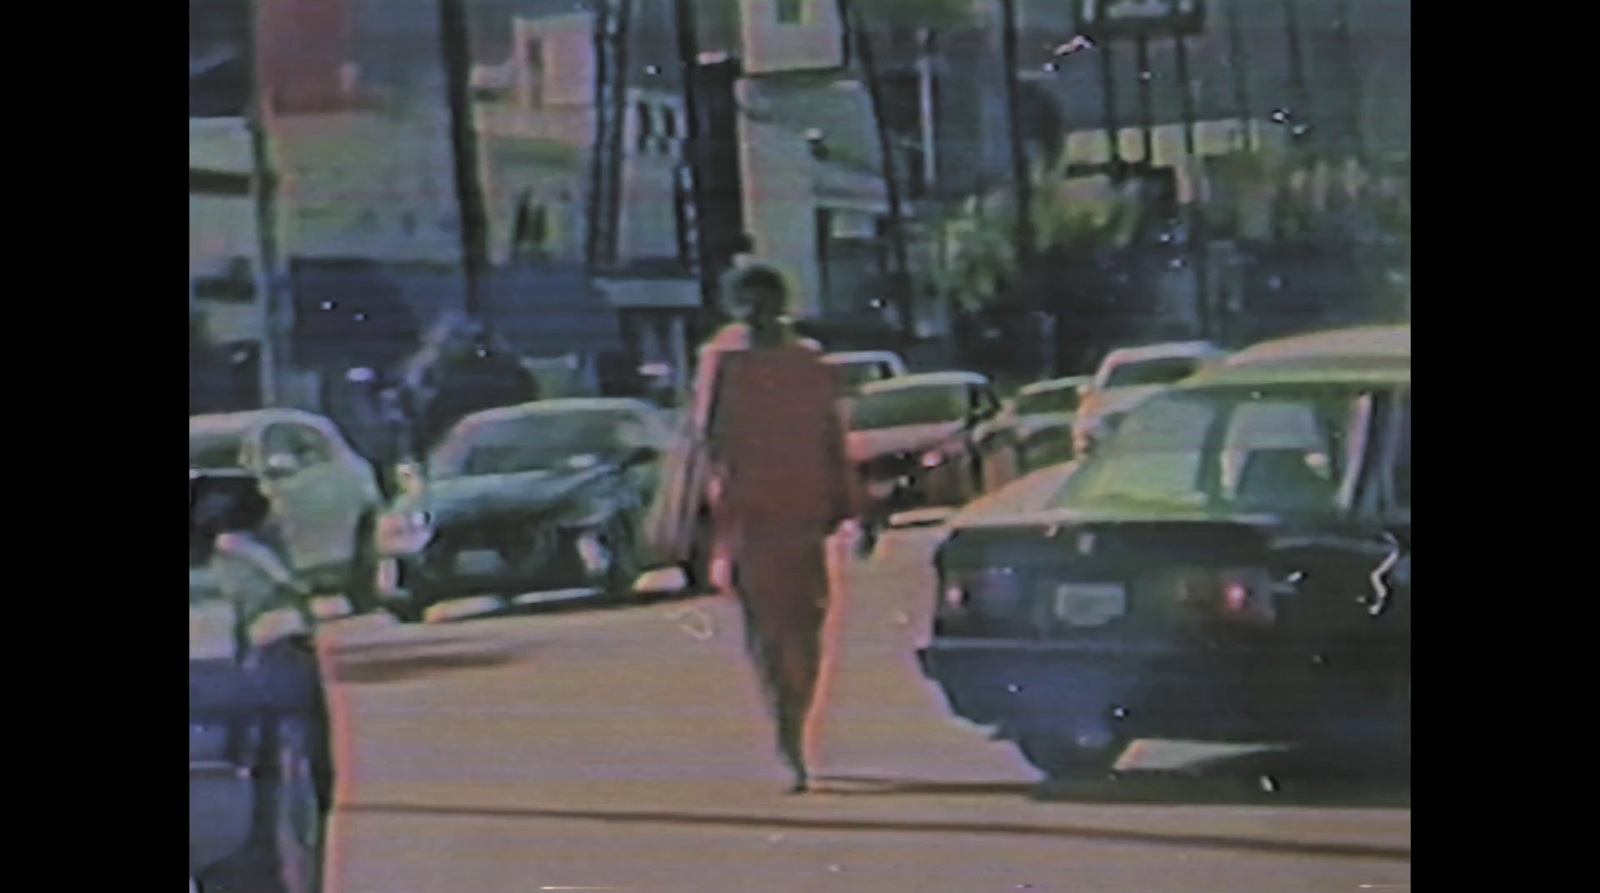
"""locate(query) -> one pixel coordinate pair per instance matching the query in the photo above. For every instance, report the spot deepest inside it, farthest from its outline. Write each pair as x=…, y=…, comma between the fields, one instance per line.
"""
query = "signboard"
x=1112, y=19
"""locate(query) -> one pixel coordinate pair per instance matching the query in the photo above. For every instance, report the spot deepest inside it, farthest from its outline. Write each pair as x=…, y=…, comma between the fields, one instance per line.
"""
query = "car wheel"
x=1062, y=760
x=699, y=570
x=624, y=568
x=299, y=819
x=362, y=590
x=423, y=585
x=287, y=846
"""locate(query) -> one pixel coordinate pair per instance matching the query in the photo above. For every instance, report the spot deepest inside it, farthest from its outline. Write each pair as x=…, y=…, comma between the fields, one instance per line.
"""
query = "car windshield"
x=537, y=441
x=1144, y=373
x=920, y=405
x=1273, y=451
x=859, y=372
x=1064, y=399
x=215, y=450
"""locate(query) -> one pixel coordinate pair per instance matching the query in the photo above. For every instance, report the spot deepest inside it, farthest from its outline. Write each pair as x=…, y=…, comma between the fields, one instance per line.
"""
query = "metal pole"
x=1108, y=93
x=1238, y=60
x=1146, y=100
x=454, y=45
x=1301, y=114
x=897, y=235
x=694, y=153
x=927, y=101
x=1022, y=177
x=1357, y=145
x=1197, y=237
x=263, y=193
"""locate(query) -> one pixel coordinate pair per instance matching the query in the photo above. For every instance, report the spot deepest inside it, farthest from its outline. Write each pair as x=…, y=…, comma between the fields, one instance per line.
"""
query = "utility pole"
x=612, y=25
x=900, y=275
x=1021, y=175
x=1147, y=124
x=694, y=153
x=474, y=219
x=1239, y=61
x=1198, y=238
x=263, y=193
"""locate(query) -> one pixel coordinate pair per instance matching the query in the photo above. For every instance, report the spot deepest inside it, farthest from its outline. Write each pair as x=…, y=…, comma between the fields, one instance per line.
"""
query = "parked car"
x=913, y=440
x=260, y=751
x=1233, y=565
x=542, y=496
x=325, y=496
x=1130, y=375
x=859, y=367
x=1033, y=430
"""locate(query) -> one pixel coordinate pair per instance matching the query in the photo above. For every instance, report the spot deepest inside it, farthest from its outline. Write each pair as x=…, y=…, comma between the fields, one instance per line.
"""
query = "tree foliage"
x=1073, y=219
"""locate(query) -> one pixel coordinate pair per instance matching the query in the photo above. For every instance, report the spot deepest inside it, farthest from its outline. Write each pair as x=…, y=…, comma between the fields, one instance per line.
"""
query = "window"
x=1279, y=450
x=791, y=12
x=1167, y=370
x=215, y=451
x=307, y=446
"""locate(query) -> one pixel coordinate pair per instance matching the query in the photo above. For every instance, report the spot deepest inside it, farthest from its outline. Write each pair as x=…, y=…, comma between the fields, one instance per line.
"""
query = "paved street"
x=626, y=750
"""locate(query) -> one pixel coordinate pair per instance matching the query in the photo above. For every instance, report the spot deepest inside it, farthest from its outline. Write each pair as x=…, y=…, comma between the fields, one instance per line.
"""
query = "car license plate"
x=1091, y=604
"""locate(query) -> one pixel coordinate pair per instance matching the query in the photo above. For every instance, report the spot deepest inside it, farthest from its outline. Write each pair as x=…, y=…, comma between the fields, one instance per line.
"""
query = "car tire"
x=700, y=553
x=624, y=569
x=299, y=829
x=362, y=590
x=1062, y=760
x=287, y=849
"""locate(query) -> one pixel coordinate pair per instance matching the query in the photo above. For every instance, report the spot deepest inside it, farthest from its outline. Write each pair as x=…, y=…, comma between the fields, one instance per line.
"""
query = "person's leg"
x=799, y=674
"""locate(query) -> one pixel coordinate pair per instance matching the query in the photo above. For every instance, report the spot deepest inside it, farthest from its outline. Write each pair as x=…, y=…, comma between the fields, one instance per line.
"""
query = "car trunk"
x=1118, y=581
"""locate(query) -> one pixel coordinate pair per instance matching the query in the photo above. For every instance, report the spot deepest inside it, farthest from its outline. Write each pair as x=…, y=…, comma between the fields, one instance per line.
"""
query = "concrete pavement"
x=628, y=750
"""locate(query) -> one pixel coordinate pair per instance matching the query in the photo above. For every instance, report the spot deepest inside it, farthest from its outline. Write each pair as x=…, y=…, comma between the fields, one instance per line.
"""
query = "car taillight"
x=993, y=588
x=1233, y=596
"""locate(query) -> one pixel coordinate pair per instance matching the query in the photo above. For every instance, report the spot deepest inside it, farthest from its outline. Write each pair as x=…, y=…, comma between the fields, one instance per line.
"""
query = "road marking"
x=697, y=623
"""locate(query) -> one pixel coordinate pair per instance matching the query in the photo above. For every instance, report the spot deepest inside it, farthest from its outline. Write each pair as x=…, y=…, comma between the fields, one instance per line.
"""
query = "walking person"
x=780, y=487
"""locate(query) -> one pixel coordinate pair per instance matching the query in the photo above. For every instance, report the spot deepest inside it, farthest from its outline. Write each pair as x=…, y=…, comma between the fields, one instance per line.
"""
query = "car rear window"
x=1057, y=400
x=215, y=451
x=1168, y=370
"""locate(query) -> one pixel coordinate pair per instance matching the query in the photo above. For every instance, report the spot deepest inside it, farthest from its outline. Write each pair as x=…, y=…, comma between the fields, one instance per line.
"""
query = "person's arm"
x=847, y=496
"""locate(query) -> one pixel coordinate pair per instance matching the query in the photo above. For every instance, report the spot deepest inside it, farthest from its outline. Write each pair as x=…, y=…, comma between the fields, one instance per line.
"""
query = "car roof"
x=1368, y=354
x=240, y=422
x=1054, y=384
x=860, y=356
x=923, y=379
x=1162, y=351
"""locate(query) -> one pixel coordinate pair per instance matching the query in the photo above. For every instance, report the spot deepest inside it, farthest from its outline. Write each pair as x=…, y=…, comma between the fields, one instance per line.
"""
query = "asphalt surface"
x=627, y=750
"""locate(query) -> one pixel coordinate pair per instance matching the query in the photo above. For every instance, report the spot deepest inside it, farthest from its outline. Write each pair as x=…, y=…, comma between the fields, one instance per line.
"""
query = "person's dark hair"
x=761, y=278
x=759, y=292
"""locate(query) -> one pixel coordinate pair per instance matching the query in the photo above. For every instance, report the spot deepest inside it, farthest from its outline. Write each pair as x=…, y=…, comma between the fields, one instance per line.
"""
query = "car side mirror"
x=281, y=465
